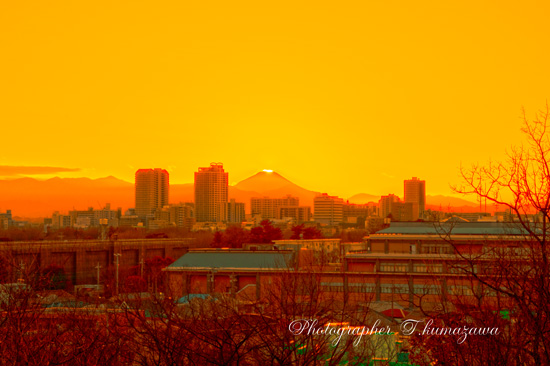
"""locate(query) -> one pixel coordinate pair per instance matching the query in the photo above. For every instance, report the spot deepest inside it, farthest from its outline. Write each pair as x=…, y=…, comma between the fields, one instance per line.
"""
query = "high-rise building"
x=415, y=193
x=385, y=205
x=269, y=208
x=211, y=193
x=328, y=209
x=152, y=187
x=235, y=211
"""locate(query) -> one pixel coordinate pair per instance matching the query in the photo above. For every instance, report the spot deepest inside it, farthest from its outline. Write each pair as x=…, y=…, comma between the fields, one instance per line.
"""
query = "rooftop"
x=233, y=259
x=455, y=228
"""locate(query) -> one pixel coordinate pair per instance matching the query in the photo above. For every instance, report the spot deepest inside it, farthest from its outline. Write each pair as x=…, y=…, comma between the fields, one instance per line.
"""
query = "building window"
x=332, y=286
x=362, y=287
x=427, y=289
x=393, y=267
x=428, y=267
x=437, y=249
x=461, y=268
x=394, y=288
x=460, y=290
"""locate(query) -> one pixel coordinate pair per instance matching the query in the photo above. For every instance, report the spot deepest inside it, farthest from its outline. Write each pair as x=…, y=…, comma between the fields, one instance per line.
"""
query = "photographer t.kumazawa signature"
x=408, y=328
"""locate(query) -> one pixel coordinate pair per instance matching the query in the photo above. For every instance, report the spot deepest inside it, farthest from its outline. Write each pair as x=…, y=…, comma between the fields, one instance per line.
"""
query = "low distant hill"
x=432, y=202
x=447, y=201
x=363, y=198
x=182, y=193
x=30, y=197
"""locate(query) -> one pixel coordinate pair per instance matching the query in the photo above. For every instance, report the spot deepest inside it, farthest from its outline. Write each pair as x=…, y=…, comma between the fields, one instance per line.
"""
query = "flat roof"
x=455, y=228
x=234, y=259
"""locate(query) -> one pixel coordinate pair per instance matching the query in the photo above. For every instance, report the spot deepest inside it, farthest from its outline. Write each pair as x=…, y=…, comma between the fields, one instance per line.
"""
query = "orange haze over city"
x=340, y=98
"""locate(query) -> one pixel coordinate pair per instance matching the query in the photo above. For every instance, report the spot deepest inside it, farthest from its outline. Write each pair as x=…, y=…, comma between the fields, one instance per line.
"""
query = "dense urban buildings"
x=385, y=205
x=91, y=217
x=182, y=215
x=353, y=213
x=328, y=210
x=269, y=208
x=211, y=193
x=415, y=193
x=298, y=214
x=152, y=187
x=391, y=207
x=235, y=211
x=60, y=221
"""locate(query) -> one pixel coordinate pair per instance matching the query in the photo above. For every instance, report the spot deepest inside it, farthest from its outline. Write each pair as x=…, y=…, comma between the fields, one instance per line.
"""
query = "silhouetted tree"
x=153, y=270
x=4, y=270
x=135, y=284
x=510, y=279
x=217, y=240
x=235, y=237
x=53, y=277
x=302, y=232
x=265, y=233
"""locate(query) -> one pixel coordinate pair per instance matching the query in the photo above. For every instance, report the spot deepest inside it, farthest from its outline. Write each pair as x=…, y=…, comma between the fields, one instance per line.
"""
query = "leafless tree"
x=509, y=279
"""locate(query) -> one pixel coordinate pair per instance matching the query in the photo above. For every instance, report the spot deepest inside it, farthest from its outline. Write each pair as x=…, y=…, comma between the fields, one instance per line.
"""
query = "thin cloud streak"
x=14, y=171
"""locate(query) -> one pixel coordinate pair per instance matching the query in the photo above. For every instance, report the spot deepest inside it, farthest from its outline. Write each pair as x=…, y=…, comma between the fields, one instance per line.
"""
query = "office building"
x=235, y=211
x=328, y=210
x=269, y=208
x=358, y=212
x=415, y=193
x=298, y=214
x=385, y=205
x=211, y=193
x=183, y=215
x=391, y=207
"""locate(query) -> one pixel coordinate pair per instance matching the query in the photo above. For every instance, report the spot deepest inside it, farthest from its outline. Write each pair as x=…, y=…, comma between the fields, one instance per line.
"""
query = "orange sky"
x=339, y=97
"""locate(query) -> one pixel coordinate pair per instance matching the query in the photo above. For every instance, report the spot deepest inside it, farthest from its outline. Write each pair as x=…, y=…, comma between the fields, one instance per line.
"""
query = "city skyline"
x=339, y=99
x=29, y=197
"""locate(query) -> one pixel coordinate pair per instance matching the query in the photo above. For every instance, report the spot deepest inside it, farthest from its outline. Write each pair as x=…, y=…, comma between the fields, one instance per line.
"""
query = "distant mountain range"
x=28, y=197
x=363, y=198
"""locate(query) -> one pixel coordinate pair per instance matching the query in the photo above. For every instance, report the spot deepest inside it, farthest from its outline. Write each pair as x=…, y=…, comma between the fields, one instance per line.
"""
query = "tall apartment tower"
x=152, y=186
x=328, y=209
x=415, y=193
x=211, y=193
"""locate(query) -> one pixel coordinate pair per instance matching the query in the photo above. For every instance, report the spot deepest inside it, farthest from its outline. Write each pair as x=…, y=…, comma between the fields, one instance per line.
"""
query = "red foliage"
x=265, y=233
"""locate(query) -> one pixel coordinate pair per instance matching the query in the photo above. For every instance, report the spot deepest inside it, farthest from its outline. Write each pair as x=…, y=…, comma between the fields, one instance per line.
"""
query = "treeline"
x=159, y=329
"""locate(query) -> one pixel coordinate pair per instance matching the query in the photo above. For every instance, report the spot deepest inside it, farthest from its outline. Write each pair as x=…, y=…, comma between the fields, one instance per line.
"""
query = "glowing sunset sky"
x=339, y=97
